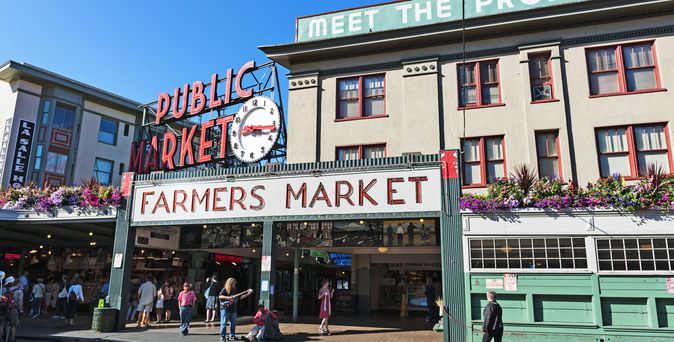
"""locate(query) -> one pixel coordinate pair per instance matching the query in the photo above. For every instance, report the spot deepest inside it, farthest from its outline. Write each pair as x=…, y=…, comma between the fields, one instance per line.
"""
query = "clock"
x=255, y=129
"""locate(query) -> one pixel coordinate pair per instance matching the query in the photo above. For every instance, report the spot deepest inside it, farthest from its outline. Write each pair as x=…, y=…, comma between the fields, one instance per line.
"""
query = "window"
x=56, y=163
x=103, y=171
x=541, y=77
x=64, y=116
x=38, y=157
x=361, y=152
x=622, y=69
x=528, y=253
x=484, y=160
x=547, y=150
x=360, y=97
x=126, y=129
x=107, y=132
x=121, y=168
x=632, y=254
x=627, y=151
x=481, y=88
x=45, y=112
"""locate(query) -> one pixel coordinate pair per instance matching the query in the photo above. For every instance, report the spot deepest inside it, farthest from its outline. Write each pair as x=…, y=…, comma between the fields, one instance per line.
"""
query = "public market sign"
x=353, y=193
x=402, y=14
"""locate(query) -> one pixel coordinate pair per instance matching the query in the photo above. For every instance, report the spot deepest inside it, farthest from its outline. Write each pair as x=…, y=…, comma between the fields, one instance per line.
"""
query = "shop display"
x=401, y=233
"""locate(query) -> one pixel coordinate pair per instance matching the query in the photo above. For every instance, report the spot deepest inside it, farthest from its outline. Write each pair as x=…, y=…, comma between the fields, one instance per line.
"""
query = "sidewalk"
x=347, y=328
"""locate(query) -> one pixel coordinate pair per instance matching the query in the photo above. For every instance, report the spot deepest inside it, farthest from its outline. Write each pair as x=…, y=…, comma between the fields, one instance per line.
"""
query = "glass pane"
x=374, y=151
x=374, y=86
x=489, y=73
x=45, y=112
x=495, y=171
x=471, y=150
x=656, y=158
x=38, y=157
x=64, y=116
x=602, y=59
x=348, y=109
x=347, y=153
x=539, y=67
x=490, y=94
x=546, y=144
x=548, y=167
x=348, y=89
x=107, y=132
x=604, y=83
x=468, y=96
x=472, y=174
x=56, y=163
x=373, y=106
x=494, y=148
x=640, y=79
x=613, y=165
x=638, y=56
x=467, y=74
x=612, y=140
x=650, y=138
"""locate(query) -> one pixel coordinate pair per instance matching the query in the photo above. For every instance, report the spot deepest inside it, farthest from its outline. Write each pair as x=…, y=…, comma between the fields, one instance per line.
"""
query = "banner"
x=22, y=150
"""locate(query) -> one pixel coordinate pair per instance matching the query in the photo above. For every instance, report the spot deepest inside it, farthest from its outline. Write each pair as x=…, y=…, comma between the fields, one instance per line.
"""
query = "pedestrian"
x=146, y=294
x=493, y=319
x=17, y=295
x=9, y=312
x=229, y=300
x=257, y=333
x=389, y=233
x=37, y=298
x=75, y=296
x=429, y=291
x=400, y=232
x=159, y=306
x=325, y=294
x=105, y=288
x=133, y=300
x=170, y=302
x=410, y=233
x=211, y=294
x=52, y=294
x=62, y=301
x=23, y=280
x=186, y=300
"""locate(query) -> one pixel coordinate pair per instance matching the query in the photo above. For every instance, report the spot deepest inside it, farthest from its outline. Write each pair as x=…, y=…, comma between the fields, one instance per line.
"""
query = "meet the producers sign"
x=401, y=14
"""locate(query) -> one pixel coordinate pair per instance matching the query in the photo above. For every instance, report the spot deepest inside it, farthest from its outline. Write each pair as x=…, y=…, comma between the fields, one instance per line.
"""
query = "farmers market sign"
x=401, y=14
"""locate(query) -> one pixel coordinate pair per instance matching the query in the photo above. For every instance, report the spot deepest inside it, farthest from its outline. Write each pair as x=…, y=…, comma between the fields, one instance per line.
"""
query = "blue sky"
x=140, y=48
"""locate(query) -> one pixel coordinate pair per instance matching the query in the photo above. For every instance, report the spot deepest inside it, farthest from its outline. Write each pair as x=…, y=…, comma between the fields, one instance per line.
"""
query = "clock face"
x=255, y=129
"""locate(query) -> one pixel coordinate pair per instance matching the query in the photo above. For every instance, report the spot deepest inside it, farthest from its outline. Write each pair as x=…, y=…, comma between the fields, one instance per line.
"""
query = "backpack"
x=72, y=296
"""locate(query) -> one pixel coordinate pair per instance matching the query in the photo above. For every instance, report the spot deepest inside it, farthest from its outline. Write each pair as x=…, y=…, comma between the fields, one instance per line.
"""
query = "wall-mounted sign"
x=255, y=128
x=6, y=133
x=11, y=256
x=401, y=14
x=494, y=283
x=226, y=257
x=510, y=282
x=399, y=191
x=24, y=141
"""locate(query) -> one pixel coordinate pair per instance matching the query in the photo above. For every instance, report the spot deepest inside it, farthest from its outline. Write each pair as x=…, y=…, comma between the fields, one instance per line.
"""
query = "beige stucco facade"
x=422, y=101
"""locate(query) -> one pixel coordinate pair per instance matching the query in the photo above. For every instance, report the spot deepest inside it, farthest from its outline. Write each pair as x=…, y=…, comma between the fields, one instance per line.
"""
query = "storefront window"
x=528, y=253
x=633, y=254
x=410, y=233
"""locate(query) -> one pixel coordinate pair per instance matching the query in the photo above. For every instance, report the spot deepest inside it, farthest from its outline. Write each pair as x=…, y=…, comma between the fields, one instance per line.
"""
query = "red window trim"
x=360, y=149
x=559, y=152
x=551, y=82
x=632, y=148
x=483, y=161
x=361, y=96
x=620, y=69
x=478, y=84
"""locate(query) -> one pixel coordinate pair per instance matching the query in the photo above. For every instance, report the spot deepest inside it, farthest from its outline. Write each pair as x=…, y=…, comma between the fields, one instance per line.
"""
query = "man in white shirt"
x=146, y=294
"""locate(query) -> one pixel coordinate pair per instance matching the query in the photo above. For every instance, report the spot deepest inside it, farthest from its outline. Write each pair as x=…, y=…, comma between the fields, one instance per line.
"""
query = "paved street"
x=345, y=328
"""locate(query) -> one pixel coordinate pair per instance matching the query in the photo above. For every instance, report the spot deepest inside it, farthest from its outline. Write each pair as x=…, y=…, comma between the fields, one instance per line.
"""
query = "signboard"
x=266, y=263
x=341, y=259
x=226, y=257
x=6, y=133
x=11, y=256
x=415, y=266
x=117, y=260
x=354, y=193
x=402, y=14
x=24, y=141
x=495, y=283
x=670, y=284
x=510, y=282
x=158, y=237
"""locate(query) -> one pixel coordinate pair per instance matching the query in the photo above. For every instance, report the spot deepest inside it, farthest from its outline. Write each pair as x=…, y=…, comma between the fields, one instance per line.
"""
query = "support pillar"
x=453, y=280
x=267, y=266
x=296, y=283
x=20, y=264
x=120, y=275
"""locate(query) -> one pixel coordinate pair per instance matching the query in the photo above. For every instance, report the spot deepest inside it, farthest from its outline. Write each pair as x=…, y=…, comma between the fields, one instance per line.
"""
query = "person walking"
x=75, y=296
x=146, y=294
x=9, y=313
x=170, y=302
x=493, y=319
x=400, y=232
x=325, y=294
x=228, y=308
x=52, y=294
x=62, y=300
x=37, y=298
x=159, y=306
x=17, y=294
x=213, y=291
x=429, y=291
x=186, y=300
x=133, y=301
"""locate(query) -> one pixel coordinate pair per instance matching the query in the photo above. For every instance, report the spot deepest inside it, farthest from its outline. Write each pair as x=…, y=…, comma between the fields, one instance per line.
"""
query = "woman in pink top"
x=186, y=300
x=324, y=295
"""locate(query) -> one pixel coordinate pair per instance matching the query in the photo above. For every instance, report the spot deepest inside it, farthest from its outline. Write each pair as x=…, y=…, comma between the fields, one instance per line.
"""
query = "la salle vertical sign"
x=24, y=142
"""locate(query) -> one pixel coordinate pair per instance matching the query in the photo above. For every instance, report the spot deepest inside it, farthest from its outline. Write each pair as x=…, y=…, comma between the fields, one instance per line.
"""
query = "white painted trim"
x=592, y=257
x=62, y=215
x=527, y=270
x=466, y=254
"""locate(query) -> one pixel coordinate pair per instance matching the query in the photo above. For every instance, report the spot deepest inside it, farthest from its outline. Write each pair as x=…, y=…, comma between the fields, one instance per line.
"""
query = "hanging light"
x=34, y=260
x=91, y=233
x=173, y=252
x=252, y=225
x=361, y=221
x=41, y=246
x=205, y=226
x=421, y=220
x=48, y=236
x=287, y=254
x=306, y=223
x=32, y=251
x=253, y=250
x=382, y=250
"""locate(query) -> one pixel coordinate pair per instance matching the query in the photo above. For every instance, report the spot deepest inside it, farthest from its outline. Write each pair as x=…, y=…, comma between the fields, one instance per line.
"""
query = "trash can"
x=104, y=320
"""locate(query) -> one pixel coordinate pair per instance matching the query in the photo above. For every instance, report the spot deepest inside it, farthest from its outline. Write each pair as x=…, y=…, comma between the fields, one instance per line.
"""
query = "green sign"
x=401, y=14
x=319, y=254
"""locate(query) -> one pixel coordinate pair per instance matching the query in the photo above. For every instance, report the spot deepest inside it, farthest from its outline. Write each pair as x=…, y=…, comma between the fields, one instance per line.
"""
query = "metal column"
x=453, y=286
x=296, y=283
x=120, y=276
x=267, y=268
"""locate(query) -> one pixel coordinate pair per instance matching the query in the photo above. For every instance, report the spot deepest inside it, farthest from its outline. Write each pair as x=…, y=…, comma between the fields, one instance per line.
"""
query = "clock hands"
x=252, y=128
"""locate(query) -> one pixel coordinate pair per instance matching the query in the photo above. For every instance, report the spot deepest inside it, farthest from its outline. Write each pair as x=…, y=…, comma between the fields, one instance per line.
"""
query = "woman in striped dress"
x=324, y=296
